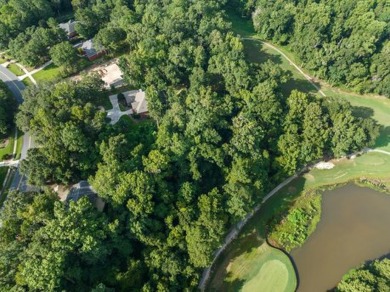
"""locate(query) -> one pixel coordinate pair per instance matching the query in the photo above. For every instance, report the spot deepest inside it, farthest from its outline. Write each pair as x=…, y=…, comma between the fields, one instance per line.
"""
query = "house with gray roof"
x=84, y=189
x=92, y=50
x=69, y=27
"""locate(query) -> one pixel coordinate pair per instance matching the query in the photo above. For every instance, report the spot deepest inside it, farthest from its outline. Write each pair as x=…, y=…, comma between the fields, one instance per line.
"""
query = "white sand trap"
x=324, y=165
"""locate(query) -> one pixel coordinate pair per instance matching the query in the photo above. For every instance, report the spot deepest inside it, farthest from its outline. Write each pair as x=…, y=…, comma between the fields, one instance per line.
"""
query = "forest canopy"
x=7, y=109
x=221, y=135
x=345, y=42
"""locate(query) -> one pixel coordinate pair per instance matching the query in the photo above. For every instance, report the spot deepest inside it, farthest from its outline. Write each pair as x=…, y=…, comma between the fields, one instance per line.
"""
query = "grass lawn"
x=15, y=69
x=2, y=59
x=261, y=268
x=27, y=81
x=19, y=145
x=8, y=150
x=50, y=73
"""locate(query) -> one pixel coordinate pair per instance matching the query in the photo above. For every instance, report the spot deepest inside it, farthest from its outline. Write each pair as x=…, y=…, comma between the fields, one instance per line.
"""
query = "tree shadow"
x=255, y=52
x=235, y=285
x=384, y=137
x=243, y=244
x=362, y=111
x=302, y=85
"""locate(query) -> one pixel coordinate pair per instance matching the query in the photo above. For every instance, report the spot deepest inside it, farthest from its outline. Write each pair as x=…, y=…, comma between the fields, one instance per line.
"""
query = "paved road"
x=17, y=87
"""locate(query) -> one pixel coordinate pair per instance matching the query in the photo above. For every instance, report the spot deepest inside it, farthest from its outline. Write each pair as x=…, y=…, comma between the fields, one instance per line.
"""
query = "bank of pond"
x=319, y=236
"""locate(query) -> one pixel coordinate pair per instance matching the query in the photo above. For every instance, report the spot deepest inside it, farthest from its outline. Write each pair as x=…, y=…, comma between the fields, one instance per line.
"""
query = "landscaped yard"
x=27, y=81
x=50, y=73
x=15, y=69
x=19, y=146
x=9, y=147
x=2, y=59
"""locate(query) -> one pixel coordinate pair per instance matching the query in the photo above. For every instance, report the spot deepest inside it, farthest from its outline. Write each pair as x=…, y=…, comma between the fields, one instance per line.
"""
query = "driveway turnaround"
x=115, y=113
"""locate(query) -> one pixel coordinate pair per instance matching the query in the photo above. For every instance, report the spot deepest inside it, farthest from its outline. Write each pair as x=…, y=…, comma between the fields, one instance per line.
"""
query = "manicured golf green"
x=261, y=269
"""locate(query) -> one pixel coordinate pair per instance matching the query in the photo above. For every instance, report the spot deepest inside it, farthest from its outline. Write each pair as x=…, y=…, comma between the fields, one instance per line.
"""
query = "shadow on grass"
x=255, y=53
x=384, y=137
x=362, y=111
x=298, y=84
x=235, y=285
x=244, y=244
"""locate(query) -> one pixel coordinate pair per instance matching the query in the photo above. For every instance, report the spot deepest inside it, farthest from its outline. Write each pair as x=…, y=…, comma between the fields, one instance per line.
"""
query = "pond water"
x=354, y=228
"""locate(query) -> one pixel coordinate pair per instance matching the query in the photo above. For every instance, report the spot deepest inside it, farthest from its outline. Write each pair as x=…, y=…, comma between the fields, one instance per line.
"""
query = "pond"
x=354, y=228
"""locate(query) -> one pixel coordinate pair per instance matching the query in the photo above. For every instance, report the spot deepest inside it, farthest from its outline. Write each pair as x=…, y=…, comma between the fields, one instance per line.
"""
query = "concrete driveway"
x=115, y=113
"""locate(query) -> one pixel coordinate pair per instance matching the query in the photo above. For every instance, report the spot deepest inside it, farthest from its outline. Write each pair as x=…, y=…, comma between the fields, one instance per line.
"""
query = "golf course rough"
x=265, y=269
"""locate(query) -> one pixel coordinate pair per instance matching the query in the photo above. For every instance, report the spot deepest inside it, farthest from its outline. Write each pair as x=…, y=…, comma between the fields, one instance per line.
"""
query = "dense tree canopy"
x=48, y=246
x=66, y=124
x=7, y=109
x=32, y=46
x=222, y=135
x=374, y=276
x=345, y=42
x=17, y=15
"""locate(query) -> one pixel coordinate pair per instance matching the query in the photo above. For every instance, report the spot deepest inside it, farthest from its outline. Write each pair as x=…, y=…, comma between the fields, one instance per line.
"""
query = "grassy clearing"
x=53, y=73
x=15, y=69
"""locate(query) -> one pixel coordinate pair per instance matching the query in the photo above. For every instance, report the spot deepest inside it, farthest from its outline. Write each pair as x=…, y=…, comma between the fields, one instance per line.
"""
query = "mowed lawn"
x=50, y=73
x=15, y=69
x=261, y=268
x=8, y=149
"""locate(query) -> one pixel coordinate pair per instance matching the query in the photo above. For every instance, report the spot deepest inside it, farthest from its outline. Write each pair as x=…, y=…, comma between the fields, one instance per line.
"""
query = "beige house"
x=112, y=76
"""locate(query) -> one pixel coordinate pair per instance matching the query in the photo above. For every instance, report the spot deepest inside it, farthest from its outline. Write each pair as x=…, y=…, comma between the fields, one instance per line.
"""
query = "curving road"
x=16, y=87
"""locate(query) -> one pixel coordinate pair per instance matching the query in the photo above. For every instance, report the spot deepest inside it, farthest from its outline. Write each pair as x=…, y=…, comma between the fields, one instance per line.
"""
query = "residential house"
x=92, y=50
x=112, y=76
x=84, y=189
x=70, y=28
x=137, y=100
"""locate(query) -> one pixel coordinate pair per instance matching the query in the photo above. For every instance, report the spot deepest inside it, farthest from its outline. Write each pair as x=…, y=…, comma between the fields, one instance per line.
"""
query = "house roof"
x=83, y=188
x=90, y=48
x=112, y=75
x=130, y=96
x=69, y=26
x=140, y=105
